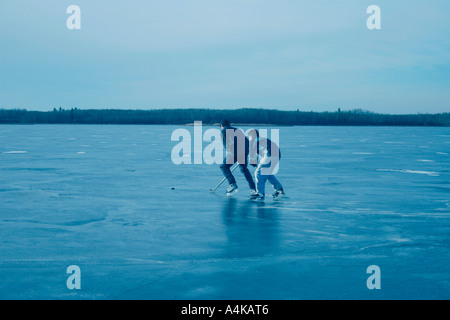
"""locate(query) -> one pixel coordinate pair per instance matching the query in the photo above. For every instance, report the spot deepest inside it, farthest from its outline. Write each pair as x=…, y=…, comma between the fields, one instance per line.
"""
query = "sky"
x=284, y=54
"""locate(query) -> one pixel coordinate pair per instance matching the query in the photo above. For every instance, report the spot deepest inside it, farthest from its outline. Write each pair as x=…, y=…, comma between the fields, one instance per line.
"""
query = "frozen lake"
x=101, y=198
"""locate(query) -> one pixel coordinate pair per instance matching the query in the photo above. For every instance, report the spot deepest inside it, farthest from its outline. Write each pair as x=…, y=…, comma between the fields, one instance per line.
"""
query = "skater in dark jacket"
x=236, y=145
x=269, y=155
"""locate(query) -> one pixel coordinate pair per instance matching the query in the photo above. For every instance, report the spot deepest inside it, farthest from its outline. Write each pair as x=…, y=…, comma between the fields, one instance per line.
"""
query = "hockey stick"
x=212, y=190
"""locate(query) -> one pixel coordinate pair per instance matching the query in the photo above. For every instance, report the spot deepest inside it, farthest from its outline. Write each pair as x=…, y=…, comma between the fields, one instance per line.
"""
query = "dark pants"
x=229, y=175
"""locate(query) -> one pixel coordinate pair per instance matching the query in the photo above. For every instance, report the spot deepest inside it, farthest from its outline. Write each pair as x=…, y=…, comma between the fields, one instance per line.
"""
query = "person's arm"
x=224, y=137
x=269, y=147
x=253, y=153
x=275, y=148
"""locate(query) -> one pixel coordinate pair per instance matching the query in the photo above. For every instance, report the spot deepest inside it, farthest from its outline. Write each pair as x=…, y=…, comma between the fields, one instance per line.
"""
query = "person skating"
x=269, y=156
x=236, y=145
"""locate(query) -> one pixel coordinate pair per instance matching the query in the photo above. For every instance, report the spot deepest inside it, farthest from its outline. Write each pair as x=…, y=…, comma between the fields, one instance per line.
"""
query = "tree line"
x=214, y=116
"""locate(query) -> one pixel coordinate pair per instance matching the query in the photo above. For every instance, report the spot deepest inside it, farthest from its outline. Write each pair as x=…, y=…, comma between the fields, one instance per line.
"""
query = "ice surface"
x=101, y=197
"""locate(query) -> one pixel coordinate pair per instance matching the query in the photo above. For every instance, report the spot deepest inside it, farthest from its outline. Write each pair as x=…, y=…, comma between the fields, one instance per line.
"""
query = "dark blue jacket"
x=232, y=144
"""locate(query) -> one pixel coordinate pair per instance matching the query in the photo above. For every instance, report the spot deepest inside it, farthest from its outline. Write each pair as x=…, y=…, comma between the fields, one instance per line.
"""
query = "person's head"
x=252, y=134
x=224, y=123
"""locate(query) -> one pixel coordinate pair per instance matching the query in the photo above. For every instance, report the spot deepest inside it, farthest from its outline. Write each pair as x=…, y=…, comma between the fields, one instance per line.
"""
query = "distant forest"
x=214, y=116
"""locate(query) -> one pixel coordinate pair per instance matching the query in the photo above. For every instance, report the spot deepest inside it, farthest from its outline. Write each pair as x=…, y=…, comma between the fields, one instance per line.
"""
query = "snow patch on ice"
x=15, y=152
x=388, y=244
x=429, y=173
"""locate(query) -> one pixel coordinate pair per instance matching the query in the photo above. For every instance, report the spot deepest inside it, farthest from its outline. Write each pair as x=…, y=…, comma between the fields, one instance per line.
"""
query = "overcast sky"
x=283, y=54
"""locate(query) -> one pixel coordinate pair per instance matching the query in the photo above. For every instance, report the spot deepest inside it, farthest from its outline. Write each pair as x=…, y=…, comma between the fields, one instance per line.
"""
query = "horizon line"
x=359, y=110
